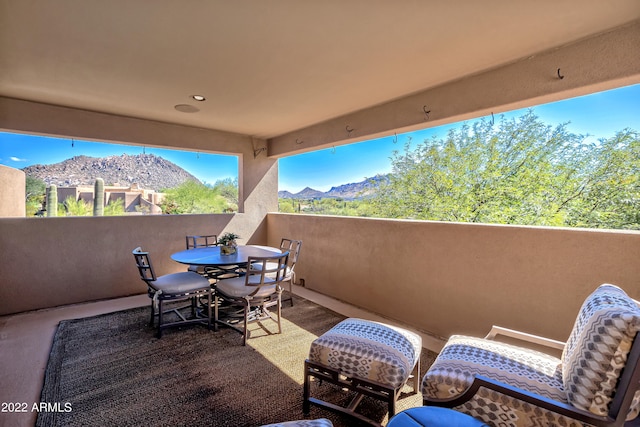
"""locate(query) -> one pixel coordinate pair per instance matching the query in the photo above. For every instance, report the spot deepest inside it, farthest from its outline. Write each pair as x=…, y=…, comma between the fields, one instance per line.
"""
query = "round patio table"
x=211, y=256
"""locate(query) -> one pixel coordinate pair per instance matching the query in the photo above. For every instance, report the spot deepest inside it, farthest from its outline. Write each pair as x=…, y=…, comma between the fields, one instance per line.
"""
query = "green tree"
x=228, y=188
x=609, y=196
x=287, y=205
x=77, y=207
x=114, y=208
x=35, y=190
x=517, y=171
x=193, y=198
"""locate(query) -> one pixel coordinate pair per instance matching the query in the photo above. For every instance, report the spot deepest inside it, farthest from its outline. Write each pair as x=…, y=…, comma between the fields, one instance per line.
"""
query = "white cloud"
x=17, y=159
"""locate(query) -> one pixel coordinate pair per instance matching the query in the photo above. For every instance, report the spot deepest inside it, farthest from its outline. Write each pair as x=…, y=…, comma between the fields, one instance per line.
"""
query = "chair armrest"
x=525, y=396
x=534, y=339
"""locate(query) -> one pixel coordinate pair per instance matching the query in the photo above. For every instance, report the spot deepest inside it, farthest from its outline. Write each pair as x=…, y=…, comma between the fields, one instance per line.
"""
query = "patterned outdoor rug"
x=110, y=370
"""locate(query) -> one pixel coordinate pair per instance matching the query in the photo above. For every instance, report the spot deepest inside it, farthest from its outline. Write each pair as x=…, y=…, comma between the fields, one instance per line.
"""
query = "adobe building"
x=136, y=200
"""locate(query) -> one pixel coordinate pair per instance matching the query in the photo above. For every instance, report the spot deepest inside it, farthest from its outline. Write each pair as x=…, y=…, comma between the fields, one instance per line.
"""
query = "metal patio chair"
x=186, y=285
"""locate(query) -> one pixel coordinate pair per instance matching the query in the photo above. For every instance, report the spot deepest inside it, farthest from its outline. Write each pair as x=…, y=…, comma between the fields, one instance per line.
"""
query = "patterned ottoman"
x=370, y=358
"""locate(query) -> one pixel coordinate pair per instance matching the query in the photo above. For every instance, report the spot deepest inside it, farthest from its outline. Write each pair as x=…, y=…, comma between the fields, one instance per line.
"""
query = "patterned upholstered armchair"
x=595, y=382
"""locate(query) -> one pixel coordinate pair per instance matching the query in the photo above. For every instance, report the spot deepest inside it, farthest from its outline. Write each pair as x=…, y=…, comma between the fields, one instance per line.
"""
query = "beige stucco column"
x=12, y=192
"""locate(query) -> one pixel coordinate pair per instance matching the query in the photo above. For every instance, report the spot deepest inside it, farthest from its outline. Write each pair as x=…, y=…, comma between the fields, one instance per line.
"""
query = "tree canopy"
x=34, y=191
x=517, y=171
x=195, y=198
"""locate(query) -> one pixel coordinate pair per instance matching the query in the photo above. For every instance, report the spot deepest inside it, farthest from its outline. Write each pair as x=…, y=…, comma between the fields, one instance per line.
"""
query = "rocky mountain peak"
x=356, y=190
x=147, y=170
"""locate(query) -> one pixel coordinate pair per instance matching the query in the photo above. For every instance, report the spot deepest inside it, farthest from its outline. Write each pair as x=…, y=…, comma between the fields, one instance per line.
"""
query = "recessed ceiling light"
x=186, y=108
x=199, y=98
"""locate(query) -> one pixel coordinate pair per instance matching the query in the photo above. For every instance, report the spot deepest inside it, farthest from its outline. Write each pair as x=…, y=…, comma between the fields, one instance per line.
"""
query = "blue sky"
x=599, y=115
x=20, y=150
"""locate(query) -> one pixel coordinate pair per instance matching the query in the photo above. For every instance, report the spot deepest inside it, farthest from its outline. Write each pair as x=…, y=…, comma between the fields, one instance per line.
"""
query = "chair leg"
x=280, y=312
x=392, y=404
x=209, y=302
x=215, y=313
x=160, y=310
x=306, y=405
x=153, y=314
x=246, y=324
x=416, y=377
x=291, y=289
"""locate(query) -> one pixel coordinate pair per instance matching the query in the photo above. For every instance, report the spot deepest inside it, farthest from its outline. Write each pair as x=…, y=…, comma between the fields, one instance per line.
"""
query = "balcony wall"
x=440, y=278
x=448, y=278
x=48, y=262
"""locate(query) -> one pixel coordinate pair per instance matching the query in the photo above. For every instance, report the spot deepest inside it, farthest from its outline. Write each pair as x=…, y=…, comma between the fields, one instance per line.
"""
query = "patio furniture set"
x=252, y=278
x=473, y=381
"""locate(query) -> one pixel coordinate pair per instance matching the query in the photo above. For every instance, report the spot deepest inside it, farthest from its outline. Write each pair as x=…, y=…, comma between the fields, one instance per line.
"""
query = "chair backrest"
x=201, y=241
x=266, y=270
x=143, y=262
x=293, y=246
x=625, y=403
x=602, y=354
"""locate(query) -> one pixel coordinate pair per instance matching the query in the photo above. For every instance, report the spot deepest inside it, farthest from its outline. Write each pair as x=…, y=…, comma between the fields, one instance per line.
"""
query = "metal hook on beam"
x=349, y=130
x=560, y=76
x=426, y=112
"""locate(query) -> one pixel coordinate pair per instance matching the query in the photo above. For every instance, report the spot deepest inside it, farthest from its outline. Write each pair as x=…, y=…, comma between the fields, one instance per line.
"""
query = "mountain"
x=309, y=193
x=286, y=195
x=355, y=190
x=147, y=170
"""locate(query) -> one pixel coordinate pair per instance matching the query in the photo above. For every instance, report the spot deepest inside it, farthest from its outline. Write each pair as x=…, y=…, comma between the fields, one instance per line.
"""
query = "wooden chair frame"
x=628, y=384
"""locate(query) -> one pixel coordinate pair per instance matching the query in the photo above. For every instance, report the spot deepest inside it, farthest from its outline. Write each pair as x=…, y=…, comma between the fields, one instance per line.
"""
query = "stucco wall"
x=48, y=262
x=441, y=278
x=12, y=192
x=447, y=278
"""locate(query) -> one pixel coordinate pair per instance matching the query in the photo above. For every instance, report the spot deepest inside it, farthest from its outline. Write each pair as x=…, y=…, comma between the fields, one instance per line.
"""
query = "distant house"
x=136, y=200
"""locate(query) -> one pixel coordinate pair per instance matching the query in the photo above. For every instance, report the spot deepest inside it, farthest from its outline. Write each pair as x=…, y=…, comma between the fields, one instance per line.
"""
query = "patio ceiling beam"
x=18, y=115
x=598, y=63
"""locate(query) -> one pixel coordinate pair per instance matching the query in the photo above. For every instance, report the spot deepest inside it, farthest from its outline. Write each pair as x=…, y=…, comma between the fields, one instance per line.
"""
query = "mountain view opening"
x=573, y=163
x=80, y=178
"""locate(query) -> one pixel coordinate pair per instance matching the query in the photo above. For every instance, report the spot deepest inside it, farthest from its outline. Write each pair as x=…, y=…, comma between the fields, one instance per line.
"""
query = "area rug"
x=110, y=370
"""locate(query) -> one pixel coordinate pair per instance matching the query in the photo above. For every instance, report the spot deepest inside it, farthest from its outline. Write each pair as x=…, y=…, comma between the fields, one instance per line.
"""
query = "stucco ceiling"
x=271, y=67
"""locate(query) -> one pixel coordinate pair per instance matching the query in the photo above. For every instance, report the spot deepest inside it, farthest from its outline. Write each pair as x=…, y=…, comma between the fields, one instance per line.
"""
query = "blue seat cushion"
x=433, y=416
